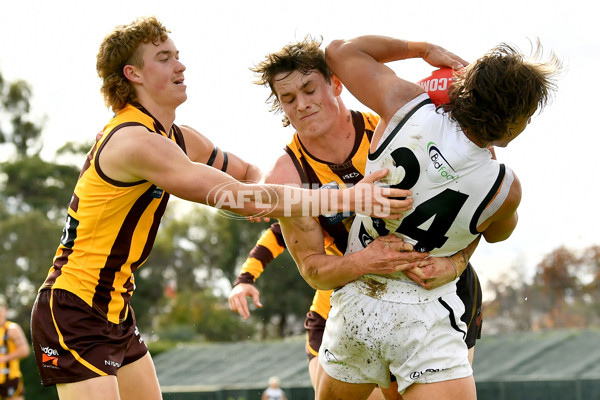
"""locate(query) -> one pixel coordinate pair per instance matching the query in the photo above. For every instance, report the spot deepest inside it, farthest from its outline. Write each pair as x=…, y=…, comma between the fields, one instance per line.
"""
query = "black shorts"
x=11, y=388
x=468, y=289
x=73, y=341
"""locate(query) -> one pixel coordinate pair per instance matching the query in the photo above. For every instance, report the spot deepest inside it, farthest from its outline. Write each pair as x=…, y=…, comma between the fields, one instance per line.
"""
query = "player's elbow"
x=334, y=50
x=501, y=230
x=310, y=274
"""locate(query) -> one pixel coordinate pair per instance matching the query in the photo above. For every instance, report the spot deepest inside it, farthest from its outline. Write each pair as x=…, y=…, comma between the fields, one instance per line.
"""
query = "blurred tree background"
x=181, y=291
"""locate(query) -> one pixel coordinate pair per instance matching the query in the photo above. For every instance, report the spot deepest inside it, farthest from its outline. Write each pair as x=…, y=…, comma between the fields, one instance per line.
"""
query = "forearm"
x=253, y=174
x=268, y=247
x=19, y=353
x=461, y=259
x=381, y=48
x=326, y=272
x=22, y=348
x=304, y=239
x=281, y=201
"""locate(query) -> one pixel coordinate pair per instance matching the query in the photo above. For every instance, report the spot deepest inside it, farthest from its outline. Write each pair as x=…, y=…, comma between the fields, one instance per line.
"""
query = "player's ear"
x=131, y=73
x=337, y=85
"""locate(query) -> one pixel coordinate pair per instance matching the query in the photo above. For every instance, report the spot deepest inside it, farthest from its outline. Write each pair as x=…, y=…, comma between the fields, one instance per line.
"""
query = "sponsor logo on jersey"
x=440, y=163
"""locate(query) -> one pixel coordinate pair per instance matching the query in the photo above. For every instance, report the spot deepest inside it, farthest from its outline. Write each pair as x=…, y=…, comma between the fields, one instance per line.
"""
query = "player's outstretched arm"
x=131, y=156
x=268, y=247
x=201, y=149
x=238, y=295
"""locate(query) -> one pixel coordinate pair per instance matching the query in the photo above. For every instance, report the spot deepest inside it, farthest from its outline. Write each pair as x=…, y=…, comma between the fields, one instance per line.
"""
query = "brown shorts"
x=314, y=325
x=73, y=342
x=11, y=388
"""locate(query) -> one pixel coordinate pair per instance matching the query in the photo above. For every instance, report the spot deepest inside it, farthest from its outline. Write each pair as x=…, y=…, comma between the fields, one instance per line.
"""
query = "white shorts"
x=366, y=339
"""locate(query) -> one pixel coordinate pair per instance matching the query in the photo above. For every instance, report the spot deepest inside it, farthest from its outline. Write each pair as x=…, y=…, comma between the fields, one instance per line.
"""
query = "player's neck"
x=165, y=114
x=475, y=141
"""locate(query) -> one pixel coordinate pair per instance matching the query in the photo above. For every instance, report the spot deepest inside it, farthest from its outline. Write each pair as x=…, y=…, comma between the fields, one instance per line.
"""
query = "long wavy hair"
x=500, y=88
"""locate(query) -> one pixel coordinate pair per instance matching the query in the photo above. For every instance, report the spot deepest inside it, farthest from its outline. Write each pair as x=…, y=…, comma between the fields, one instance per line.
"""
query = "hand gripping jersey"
x=110, y=227
x=454, y=183
x=8, y=370
x=318, y=173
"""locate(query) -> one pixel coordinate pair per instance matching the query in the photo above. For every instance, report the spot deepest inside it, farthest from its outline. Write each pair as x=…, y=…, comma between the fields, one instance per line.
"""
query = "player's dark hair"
x=304, y=56
x=499, y=89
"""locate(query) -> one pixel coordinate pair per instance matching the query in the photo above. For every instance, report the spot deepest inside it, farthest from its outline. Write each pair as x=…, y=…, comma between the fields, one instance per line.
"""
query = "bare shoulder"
x=284, y=172
x=15, y=330
x=131, y=153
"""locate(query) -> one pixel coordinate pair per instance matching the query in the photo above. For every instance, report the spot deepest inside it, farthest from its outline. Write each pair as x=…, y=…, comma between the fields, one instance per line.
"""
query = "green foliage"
x=22, y=133
x=196, y=256
x=203, y=314
x=34, y=184
x=563, y=294
x=32, y=382
x=33, y=198
x=285, y=296
x=28, y=243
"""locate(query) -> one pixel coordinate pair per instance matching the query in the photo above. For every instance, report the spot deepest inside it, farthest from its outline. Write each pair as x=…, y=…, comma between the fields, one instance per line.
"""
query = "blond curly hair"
x=119, y=48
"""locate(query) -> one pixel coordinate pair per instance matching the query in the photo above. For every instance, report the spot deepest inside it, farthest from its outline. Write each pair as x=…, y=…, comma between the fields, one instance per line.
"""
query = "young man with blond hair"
x=83, y=327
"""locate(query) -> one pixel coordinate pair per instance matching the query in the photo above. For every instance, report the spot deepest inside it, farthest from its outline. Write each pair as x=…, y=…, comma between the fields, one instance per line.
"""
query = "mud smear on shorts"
x=374, y=288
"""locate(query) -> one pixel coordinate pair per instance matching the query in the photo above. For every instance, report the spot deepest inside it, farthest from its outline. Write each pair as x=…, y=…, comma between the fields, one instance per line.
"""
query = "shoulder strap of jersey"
x=390, y=137
x=297, y=164
x=492, y=195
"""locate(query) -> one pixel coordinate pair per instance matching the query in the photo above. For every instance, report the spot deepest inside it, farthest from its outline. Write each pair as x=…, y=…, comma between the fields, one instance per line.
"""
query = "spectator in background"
x=13, y=347
x=273, y=392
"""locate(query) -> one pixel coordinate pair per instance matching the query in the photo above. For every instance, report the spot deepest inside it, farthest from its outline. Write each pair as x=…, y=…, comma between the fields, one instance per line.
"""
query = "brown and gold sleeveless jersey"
x=8, y=370
x=110, y=227
x=319, y=173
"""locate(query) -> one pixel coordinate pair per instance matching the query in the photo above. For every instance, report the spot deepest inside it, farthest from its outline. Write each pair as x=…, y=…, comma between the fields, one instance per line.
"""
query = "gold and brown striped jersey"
x=11, y=369
x=317, y=173
x=110, y=227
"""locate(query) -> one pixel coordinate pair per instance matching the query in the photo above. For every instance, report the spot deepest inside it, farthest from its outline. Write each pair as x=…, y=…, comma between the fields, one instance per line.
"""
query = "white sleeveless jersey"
x=455, y=185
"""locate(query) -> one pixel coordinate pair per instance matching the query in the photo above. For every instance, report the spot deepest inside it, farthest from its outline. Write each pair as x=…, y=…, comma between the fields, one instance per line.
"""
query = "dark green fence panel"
x=302, y=393
x=588, y=389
